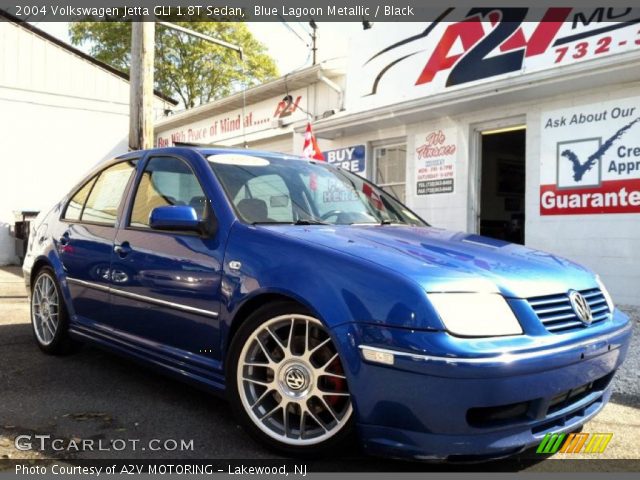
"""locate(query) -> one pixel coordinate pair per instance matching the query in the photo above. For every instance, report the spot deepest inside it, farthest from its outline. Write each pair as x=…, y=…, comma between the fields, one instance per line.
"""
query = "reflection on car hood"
x=441, y=260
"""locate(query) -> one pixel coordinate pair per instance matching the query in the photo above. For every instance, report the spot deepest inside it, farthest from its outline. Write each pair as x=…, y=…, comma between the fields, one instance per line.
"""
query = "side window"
x=166, y=181
x=104, y=199
x=76, y=204
x=390, y=172
x=265, y=199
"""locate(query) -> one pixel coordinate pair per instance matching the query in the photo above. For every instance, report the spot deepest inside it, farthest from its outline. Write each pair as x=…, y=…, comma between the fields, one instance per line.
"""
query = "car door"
x=165, y=285
x=85, y=242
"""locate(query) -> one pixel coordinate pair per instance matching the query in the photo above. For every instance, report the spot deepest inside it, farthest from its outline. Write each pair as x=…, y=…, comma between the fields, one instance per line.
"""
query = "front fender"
x=338, y=287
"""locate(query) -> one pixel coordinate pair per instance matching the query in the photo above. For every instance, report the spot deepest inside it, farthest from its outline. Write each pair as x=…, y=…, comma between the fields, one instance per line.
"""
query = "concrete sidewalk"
x=11, y=282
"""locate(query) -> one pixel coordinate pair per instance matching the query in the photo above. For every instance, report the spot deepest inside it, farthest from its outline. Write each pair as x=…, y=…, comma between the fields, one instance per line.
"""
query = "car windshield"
x=288, y=190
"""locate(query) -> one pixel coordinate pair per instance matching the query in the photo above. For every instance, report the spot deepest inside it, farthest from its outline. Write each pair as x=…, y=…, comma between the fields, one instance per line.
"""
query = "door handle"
x=123, y=249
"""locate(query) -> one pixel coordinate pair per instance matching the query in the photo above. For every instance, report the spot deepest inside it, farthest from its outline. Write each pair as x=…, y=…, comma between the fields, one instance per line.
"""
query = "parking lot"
x=96, y=395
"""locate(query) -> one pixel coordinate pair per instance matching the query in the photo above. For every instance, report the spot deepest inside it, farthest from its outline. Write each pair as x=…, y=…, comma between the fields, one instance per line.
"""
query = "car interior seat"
x=253, y=210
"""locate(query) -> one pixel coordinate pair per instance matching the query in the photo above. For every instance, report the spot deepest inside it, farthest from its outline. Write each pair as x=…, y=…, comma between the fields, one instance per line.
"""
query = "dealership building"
x=532, y=139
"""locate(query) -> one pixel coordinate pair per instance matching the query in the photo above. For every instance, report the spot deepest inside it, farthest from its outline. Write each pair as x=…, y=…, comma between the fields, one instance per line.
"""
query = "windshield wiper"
x=309, y=221
x=301, y=221
x=268, y=222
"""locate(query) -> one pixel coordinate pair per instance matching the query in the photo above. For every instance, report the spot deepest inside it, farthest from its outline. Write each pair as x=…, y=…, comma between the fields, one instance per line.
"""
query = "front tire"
x=286, y=382
x=49, y=317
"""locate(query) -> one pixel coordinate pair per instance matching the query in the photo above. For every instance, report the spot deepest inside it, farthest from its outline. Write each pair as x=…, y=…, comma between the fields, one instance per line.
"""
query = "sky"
x=288, y=49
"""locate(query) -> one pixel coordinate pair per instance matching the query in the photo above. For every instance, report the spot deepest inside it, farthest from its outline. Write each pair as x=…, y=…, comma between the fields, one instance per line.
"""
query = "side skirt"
x=201, y=372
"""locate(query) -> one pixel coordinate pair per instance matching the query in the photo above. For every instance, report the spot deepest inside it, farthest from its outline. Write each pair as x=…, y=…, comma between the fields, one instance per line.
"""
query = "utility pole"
x=141, y=78
x=141, y=86
x=314, y=39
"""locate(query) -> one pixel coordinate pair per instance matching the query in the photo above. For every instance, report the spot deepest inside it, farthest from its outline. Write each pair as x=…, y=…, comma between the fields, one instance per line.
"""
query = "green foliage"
x=188, y=68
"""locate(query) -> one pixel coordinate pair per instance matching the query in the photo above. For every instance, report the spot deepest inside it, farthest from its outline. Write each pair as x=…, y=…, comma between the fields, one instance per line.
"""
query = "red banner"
x=612, y=196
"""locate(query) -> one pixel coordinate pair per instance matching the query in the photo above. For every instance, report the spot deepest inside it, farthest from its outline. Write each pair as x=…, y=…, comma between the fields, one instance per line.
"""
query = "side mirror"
x=175, y=217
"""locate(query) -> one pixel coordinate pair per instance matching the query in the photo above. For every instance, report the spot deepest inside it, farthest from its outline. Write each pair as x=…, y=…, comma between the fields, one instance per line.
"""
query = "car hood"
x=441, y=260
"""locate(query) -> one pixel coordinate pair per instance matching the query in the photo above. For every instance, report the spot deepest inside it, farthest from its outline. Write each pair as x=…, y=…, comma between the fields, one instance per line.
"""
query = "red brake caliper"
x=336, y=384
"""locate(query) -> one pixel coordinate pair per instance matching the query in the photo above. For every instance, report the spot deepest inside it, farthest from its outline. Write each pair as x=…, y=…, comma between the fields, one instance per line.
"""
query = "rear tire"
x=49, y=316
x=286, y=383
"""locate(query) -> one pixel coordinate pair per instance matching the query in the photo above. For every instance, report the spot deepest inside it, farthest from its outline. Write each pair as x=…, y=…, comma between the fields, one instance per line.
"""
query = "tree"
x=192, y=69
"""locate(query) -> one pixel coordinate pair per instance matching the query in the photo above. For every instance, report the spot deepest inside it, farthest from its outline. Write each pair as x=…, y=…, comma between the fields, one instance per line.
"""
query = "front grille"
x=570, y=397
x=481, y=417
x=557, y=315
x=541, y=408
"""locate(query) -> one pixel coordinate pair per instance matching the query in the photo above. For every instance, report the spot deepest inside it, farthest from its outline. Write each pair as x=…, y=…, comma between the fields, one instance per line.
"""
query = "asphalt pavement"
x=95, y=395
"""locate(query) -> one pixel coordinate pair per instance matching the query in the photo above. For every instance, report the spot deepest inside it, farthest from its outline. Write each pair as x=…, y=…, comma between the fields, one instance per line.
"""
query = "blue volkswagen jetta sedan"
x=322, y=306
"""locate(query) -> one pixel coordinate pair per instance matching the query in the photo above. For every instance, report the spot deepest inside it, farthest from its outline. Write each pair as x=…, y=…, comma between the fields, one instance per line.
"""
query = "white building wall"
x=280, y=144
x=59, y=116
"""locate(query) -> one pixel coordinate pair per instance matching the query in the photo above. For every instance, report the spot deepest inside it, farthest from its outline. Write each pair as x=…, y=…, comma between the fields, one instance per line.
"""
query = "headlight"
x=475, y=314
x=606, y=294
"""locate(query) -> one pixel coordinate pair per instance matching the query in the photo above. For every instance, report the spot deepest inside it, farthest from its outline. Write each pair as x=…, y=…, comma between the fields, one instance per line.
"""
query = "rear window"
x=75, y=206
x=98, y=200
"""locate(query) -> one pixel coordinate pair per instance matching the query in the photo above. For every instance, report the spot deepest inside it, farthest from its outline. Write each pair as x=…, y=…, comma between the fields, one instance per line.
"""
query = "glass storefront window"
x=390, y=164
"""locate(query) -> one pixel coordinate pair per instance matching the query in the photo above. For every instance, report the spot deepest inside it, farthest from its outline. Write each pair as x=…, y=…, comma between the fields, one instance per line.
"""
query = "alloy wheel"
x=45, y=309
x=291, y=381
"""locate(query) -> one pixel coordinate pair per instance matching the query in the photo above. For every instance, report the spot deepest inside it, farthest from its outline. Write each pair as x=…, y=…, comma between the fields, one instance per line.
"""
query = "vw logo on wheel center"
x=581, y=307
x=295, y=378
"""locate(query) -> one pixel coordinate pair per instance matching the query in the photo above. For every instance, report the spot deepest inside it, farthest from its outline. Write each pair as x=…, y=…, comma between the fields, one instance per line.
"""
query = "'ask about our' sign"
x=590, y=162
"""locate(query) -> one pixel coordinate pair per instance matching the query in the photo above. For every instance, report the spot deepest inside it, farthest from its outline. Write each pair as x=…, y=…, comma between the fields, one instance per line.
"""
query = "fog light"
x=377, y=356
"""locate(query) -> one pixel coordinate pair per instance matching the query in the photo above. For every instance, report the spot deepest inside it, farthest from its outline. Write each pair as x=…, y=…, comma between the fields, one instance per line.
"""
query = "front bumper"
x=446, y=397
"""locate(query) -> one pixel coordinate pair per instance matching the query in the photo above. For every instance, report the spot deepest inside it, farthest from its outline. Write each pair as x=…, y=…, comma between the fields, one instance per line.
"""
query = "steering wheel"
x=330, y=213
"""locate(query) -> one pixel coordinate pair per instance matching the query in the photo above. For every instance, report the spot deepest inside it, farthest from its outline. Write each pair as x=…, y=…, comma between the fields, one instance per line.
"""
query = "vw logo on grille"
x=581, y=307
x=295, y=378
